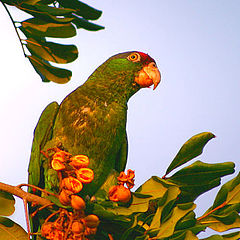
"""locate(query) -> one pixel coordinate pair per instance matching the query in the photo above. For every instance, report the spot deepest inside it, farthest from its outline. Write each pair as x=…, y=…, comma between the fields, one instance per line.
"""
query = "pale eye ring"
x=134, y=57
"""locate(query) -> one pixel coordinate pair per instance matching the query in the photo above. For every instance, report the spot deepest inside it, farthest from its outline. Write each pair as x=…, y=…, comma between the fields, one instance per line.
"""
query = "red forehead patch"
x=145, y=58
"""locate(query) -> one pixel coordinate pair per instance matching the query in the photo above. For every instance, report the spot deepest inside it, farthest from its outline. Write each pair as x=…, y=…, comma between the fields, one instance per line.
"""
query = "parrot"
x=92, y=119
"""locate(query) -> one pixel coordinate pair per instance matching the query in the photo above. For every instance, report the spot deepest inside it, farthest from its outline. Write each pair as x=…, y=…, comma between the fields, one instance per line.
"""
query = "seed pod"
x=78, y=227
x=79, y=161
x=47, y=229
x=64, y=198
x=77, y=202
x=92, y=221
x=122, y=177
x=119, y=193
x=72, y=184
x=57, y=165
x=61, y=155
x=85, y=175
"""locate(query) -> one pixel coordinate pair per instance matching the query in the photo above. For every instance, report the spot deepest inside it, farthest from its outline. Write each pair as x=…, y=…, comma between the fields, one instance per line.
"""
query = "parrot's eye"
x=134, y=57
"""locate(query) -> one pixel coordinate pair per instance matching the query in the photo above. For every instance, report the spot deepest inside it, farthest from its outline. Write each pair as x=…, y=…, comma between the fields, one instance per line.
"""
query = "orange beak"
x=149, y=75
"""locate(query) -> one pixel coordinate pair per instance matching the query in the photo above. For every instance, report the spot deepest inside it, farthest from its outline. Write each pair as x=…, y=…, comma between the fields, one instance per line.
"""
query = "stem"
x=40, y=209
x=15, y=190
x=213, y=210
x=26, y=216
x=38, y=188
x=51, y=215
x=110, y=236
x=13, y=22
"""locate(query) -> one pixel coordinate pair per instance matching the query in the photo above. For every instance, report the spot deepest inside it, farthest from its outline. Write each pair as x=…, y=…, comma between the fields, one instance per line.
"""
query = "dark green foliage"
x=200, y=177
x=191, y=149
x=51, y=51
x=55, y=19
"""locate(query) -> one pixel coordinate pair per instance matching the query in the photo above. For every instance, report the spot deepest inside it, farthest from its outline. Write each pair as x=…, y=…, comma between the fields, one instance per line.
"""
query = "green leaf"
x=223, y=215
x=55, y=11
x=200, y=177
x=233, y=196
x=186, y=222
x=202, y=172
x=83, y=23
x=191, y=149
x=229, y=195
x=128, y=234
x=227, y=219
x=82, y=9
x=186, y=235
x=221, y=223
x=48, y=72
x=7, y=202
x=178, y=212
x=231, y=236
x=164, y=208
x=40, y=28
x=10, y=230
x=104, y=213
x=51, y=51
x=44, y=15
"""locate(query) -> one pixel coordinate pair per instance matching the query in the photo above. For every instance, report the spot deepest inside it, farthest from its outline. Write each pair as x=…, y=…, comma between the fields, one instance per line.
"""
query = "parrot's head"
x=143, y=67
x=128, y=72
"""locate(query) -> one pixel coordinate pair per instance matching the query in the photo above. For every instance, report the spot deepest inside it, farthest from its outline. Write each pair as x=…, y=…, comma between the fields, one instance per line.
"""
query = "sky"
x=196, y=45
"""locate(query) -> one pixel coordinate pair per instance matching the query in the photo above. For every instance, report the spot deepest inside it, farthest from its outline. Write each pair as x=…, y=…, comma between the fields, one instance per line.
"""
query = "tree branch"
x=29, y=197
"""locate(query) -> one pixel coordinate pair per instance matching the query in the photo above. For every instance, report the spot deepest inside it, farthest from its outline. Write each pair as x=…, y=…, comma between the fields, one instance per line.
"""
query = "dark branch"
x=29, y=197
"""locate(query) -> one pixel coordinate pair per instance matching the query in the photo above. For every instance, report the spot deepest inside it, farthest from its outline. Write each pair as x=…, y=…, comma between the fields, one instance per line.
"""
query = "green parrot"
x=92, y=120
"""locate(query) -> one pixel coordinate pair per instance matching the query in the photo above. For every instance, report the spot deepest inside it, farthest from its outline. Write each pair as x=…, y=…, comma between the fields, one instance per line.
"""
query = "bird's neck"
x=103, y=94
x=111, y=87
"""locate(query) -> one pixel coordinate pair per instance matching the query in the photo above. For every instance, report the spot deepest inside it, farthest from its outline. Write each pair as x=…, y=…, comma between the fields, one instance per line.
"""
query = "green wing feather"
x=121, y=159
x=42, y=134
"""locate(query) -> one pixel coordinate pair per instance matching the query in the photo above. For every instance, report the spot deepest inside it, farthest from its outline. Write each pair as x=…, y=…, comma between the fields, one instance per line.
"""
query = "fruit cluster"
x=120, y=193
x=64, y=224
x=70, y=226
x=73, y=173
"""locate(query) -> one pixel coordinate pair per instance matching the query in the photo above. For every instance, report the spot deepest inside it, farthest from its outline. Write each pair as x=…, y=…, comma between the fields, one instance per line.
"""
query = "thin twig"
x=36, y=187
x=53, y=214
x=40, y=209
x=213, y=210
x=26, y=216
x=13, y=22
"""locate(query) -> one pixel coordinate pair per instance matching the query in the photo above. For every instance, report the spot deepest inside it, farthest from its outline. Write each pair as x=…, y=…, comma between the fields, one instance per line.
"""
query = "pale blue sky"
x=196, y=45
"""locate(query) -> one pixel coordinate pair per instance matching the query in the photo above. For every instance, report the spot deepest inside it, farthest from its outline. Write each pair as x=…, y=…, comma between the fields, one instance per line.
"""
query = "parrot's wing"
x=120, y=165
x=121, y=160
x=42, y=134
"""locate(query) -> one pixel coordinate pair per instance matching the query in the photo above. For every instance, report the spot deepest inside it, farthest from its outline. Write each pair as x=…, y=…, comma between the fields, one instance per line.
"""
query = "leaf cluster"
x=163, y=208
x=52, y=19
